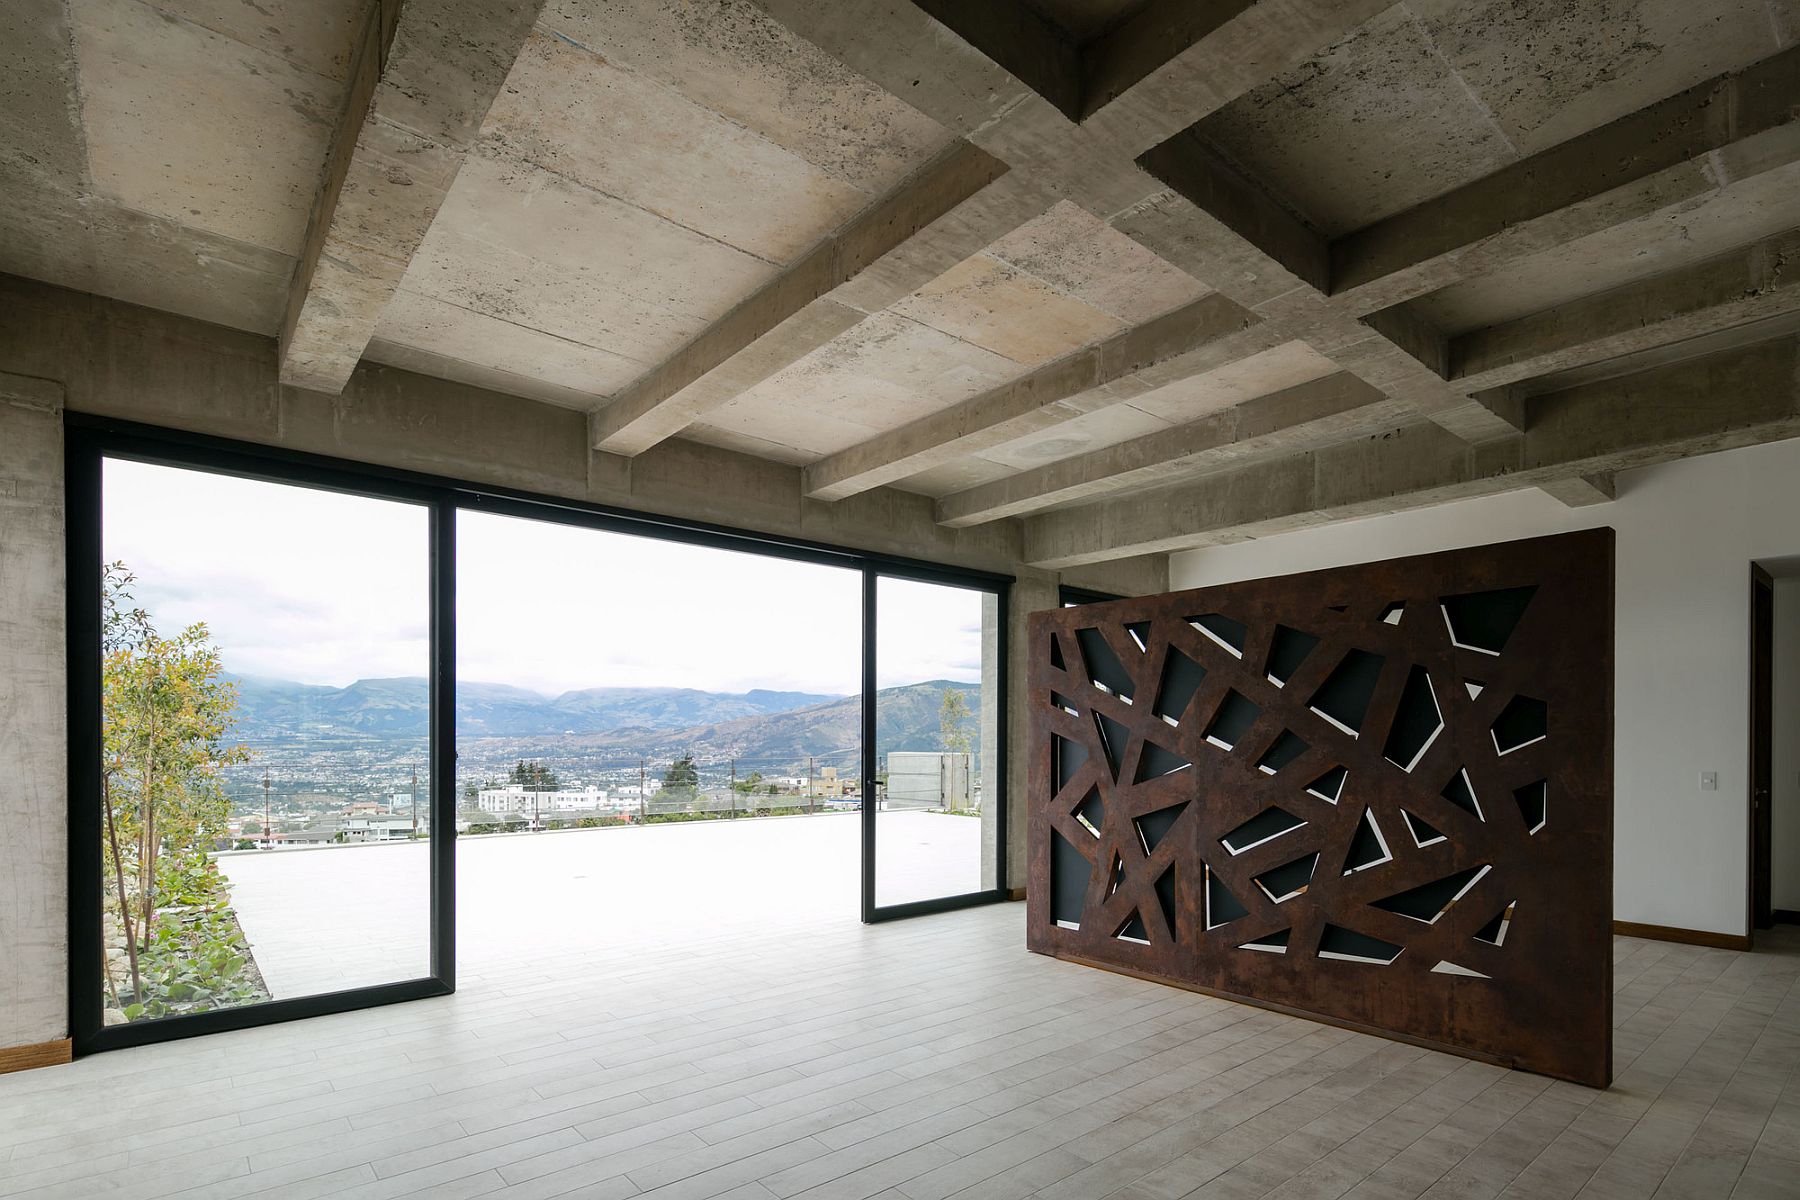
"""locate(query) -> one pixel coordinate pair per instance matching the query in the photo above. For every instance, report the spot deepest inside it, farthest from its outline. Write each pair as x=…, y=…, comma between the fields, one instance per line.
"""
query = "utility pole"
x=809, y=784
x=413, y=803
x=267, y=838
x=641, y=782
x=734, y=789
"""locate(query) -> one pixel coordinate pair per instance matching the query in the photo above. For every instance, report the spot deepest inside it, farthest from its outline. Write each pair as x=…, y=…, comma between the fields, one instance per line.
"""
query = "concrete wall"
x=1687, y=533
x=34, y=998
x=1785, y=794
x=119, y=360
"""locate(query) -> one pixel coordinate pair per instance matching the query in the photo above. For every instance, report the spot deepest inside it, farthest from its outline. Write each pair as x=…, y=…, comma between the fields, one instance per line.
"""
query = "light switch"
x=1709, y=781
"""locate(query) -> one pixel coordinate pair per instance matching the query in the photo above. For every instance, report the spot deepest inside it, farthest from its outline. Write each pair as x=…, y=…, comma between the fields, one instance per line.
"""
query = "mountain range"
x=598, y=725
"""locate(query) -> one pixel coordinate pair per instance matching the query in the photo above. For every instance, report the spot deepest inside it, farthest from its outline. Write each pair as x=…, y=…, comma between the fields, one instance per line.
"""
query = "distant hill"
x=771, y=730
x=907, y=718
x=382, y=709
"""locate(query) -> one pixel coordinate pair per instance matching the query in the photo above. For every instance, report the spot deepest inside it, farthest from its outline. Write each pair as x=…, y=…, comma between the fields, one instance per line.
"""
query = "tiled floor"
x=913, y=1061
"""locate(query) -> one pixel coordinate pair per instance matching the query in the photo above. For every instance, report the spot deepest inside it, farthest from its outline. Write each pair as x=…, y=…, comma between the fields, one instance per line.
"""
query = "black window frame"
x=89, y=440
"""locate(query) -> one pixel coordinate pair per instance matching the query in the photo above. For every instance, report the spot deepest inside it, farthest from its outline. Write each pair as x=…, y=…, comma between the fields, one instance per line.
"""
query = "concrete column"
x=34, y=953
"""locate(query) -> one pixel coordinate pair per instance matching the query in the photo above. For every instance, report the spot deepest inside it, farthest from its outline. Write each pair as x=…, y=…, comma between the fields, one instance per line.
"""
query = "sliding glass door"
x=936, y=823
x=266, y=701
x=257, y=698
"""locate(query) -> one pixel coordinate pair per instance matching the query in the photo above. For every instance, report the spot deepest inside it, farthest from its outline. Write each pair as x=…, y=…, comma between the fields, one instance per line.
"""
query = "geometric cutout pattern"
x=1298, y=797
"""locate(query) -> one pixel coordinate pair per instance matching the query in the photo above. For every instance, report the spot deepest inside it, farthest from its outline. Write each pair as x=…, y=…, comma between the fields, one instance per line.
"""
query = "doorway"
x=1762, y=747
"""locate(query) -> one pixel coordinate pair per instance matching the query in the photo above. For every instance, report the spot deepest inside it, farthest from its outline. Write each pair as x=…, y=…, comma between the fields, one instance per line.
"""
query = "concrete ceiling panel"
x=1090, y=431
x=587, y=372
x=884, y=372
x=1084, y=257
x=314, y=35
x=951, y=477
x=519, y=243
x=731, y=57
x=1374, y=125
x=570, y=111
x=1745, y=212
x=1284, y=366
x=1549, y=70
x=1001, y=308
x=187, y=124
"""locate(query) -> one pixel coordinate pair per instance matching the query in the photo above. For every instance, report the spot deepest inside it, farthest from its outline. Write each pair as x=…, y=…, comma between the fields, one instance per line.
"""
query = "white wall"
x=1687, y=533
x=1785, y=795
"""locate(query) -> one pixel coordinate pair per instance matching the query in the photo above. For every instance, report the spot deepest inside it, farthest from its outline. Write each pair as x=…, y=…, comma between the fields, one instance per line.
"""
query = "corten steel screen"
x=1378, y=794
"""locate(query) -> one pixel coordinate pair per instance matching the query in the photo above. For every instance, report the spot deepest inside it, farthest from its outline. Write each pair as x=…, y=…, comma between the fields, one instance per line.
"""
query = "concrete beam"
x=1580, y=491
x=1738, y=397
x=1189, y=341
x=1749, y=284
x=1303, y=417
x=960, y=202
x=1174, y=62
x=1673, y=153
x=422, y=78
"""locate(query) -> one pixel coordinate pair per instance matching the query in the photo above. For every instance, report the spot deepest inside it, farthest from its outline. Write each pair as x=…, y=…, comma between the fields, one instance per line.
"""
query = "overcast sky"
x=310, y=586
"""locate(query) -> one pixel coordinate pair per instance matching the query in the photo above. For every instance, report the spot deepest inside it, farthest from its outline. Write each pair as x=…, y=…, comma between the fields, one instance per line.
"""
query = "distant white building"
x=517, y=798
x=374, y=827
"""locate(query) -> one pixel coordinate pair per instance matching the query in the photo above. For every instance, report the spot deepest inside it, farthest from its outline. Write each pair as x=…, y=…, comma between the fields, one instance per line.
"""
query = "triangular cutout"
x=1343, y=699
x=1070, y=872
x=1221, y=906
x=1165, y=897
x=1429, y=901
x=1091, y=812
x=1483, y=621
x=1523, y=721
x=1271, y=943
x=1287, y=650
x=1153, y=827
x=1068, y=758
x=1113, y=739
x=1139, y=633
x=1474, y=687
x=1290, y=879
x=1368, y=848
x=1330, y=785
x=1133, y=930
x=1347, y=945
x=1446, y=967
x=1286, y=749
x=1534, y=804
x=1227, y=633
x=1417, y=721
x=1056, y=657
x=1105, y=670
x=1392, y=613
x=1234, y=719
x=1460, y=792
x=1265, y=826
x=1494, y=932
x=1181, y=678
x=1154, y=762
x=1423, y=832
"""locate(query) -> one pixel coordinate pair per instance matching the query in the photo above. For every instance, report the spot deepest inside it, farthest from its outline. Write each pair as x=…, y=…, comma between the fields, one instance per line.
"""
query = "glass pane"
x=266, y=651
x=935, y=741
x=656, y=742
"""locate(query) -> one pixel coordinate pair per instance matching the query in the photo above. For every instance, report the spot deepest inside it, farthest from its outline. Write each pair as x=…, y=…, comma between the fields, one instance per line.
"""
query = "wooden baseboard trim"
x=43, y=1054
x=1786, y=916
x=1687, y=937
x=1015, y=893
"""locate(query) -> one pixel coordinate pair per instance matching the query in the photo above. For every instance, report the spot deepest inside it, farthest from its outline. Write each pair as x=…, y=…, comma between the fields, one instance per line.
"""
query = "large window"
x=296, y=684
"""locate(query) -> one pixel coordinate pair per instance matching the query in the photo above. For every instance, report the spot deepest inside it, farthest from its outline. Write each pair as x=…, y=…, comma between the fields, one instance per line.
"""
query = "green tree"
x=752, y=784
x=953, y=717
x=167, y=711
x=681, y=782
x=534, y=775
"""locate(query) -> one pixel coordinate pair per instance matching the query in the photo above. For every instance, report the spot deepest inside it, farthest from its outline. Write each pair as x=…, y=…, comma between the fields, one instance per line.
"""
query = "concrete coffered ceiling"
x=1140, y=274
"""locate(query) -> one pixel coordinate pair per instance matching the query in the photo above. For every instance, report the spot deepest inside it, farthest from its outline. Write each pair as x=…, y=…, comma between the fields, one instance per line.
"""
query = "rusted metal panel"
x=1379, y=794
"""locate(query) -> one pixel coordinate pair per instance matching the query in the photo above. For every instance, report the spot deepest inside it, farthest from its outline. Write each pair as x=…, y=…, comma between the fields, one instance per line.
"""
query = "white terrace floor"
x=675, y=1050
x=326, y=919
